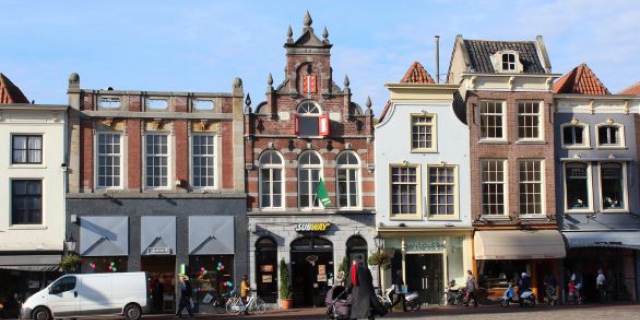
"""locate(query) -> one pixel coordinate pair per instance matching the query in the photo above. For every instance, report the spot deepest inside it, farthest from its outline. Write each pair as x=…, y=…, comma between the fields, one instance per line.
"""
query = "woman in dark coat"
x=364, y=303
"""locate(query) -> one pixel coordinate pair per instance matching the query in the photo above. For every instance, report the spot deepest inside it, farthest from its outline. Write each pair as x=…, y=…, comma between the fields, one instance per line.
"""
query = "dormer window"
x=508, y=62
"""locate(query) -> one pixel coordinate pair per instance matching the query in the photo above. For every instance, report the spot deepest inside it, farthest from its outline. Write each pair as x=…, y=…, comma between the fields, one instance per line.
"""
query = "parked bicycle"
x=451, y=295
x=254, y=305
x=220, y=302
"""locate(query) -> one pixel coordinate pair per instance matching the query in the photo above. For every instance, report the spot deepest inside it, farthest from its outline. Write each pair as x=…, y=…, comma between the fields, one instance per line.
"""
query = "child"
x=572, y=291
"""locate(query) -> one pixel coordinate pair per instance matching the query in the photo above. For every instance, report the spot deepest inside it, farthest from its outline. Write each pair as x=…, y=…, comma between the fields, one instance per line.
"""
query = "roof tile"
x=9, y=92
x=480, y=52
x=634, y=89
x=416, y=74
x=580, y=80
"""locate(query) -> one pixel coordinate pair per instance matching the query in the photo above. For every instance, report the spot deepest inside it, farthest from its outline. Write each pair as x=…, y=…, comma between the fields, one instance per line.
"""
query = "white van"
x=90, y=295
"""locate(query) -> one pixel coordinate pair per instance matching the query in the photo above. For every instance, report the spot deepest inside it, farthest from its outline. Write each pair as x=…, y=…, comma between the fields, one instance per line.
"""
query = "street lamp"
x=70, y=244
x=379, y=244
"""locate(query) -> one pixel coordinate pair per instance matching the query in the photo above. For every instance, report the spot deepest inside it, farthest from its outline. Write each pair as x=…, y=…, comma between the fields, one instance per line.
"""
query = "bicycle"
x=219, y=303
x=254, y=305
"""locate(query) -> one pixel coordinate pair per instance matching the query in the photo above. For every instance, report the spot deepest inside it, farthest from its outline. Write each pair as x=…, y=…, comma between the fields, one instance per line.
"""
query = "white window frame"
x=43, y=204
x=216, y=157
x=169, y=155
x=505, y=184
x=27, y=136
x=539, y=115
x=349, y=167
x=589, y=208
x=497, y=60
x=456, y=193
x=271, y=167
x=621, y=136
x=625, y=185
x=434, y=131
x=310, y=168
x=541, y=182
x=305, y=113
x=96, y=157
x=412, y=215
x=586, y=137
x=503, y=118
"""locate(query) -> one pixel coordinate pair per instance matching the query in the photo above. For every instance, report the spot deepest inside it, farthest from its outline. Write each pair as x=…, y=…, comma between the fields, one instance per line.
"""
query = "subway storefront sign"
x=313, y=226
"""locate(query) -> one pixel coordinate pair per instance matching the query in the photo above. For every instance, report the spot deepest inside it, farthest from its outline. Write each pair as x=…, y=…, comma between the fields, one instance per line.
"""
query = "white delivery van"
x=90, y=295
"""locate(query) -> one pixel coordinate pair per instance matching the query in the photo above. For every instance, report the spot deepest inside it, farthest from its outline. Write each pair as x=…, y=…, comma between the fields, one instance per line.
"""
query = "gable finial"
x=325, y=34
x=247, y=101
x=346, y=81
x=307, y=21
x=270, y=79
x=289, y=34
x=368, y=104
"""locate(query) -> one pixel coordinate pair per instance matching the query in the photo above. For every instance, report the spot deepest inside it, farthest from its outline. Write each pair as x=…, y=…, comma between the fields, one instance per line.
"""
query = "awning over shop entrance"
x=211, y=235
x=608, y=239
x=518, y=245
x=33, y=262
x=104, y=236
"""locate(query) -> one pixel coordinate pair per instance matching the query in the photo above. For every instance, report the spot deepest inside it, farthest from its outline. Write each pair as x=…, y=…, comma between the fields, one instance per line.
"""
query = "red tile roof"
x=634, y=89
x=580, y=80
x=416, y=74
x=9, y=93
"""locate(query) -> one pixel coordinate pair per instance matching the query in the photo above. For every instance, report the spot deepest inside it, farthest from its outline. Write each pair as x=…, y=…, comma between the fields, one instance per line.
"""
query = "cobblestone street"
x=486, y=312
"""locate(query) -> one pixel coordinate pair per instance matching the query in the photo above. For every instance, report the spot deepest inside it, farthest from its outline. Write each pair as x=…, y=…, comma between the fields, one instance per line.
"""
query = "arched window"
x=348, y=178
x=309, y=168
x=271, y=180
x=575, y=135
x=266, y=269
x=357, y=249
x=610, y=134
x=307, y=124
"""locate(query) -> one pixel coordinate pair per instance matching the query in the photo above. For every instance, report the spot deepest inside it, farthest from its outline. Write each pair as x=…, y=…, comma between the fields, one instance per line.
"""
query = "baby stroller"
x=338, y=306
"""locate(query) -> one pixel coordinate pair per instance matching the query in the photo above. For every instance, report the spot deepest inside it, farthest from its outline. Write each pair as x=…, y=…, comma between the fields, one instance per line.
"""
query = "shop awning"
x=211, y=235
x=35, y=262
x=158, y=235
x=104, y=236
x=607, y=239
x=518, y=245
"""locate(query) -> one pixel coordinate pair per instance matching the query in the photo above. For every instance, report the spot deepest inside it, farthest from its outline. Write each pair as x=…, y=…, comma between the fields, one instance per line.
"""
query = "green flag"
x=322, y=195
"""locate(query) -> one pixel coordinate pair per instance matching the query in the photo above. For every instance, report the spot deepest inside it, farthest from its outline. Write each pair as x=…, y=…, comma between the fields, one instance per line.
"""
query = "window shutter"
x=323, y=125
x=309, y=84
x=296, y=124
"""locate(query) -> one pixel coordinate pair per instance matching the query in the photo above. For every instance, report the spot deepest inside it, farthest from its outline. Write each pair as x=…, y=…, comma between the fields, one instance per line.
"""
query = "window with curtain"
x=309, y=168
x=348, y=168
x=271, y=180
x=576, y=175
x=27, y=149
x=613, y=186
x=26, y=198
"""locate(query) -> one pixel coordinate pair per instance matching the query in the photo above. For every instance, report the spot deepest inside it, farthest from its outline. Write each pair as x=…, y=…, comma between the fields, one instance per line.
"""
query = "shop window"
x=267, y=269
x=493, y=188
x=26, y=200
x=211, y=274
x=577, y=184
x=271, y=180
x=348, y=171
x=613, y=186
x=104, y=264
x=309, y=168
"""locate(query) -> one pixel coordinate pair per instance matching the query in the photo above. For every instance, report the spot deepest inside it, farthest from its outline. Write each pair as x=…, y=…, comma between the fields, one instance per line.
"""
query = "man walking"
x=601, y=287
x=471, y=288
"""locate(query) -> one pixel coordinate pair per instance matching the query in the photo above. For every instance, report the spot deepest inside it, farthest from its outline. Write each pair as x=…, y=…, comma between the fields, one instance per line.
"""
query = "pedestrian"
x=245, y=289
x=524, y=284
x=186, y=292
x=364, y=303
x=601, y=286
x=397, y=291
x=550, y=283
x=472, y=286
x=157, y=294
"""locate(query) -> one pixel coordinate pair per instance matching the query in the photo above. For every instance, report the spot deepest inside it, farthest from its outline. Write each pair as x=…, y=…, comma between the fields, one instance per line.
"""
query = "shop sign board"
x=313, y=226
x=425, y=246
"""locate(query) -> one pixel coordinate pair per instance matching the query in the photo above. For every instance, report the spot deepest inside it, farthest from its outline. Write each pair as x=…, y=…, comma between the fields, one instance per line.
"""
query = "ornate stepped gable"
x=580, y=80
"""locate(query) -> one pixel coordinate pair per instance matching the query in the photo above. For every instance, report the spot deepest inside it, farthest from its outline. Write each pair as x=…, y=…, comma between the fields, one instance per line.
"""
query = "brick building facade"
x=307, y=133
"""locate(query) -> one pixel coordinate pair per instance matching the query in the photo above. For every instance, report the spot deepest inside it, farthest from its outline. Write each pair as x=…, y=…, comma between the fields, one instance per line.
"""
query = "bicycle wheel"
x=260, y=306
x=233, y=306
x=219, y=305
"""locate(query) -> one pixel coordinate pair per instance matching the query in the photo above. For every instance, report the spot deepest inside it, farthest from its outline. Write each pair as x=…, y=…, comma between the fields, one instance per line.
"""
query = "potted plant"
x=285, y=285
x=70, y=262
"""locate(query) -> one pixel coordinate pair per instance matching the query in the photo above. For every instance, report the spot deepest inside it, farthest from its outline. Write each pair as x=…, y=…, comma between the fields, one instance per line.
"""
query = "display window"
x=104, y=264
x=211, y=275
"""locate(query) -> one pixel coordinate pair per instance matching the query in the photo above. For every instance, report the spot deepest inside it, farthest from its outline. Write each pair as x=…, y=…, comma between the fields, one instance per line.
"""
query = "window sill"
x=531, y=142
x=495, y=218
x=443, y=218
x=408, y=218
x=424, y=150
x=578, y=211
x=489, y=141
x=27, y=227
x=577, y=147
x=612, y=147
x=27, y=166
x=621, y=210
x=533, y=217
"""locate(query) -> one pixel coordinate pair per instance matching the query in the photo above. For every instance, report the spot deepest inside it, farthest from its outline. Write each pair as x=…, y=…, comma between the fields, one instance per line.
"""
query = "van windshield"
x=62, y=285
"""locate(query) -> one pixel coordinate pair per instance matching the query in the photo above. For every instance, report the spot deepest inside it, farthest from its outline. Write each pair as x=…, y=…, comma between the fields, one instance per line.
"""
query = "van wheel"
x=132, y=312
x=41, y=314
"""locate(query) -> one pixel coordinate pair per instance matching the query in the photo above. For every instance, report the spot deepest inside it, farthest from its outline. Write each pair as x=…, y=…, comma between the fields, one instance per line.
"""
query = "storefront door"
x=424, y=274
x=311, y=262
x=162, y=269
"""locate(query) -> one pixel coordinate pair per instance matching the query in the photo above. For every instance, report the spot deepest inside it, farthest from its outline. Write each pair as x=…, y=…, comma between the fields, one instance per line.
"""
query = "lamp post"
x=379, y=244
x=70, y=244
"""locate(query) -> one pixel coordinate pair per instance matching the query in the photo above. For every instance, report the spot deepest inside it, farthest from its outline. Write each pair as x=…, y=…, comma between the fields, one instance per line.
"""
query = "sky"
x=201, y=46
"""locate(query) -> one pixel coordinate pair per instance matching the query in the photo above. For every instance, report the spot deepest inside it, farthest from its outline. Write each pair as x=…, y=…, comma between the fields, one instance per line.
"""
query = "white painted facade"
x=49, y=121
x=449, y=236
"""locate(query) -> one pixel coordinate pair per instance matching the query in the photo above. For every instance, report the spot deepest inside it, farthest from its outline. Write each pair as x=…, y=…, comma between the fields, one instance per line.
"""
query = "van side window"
x=62, y=285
